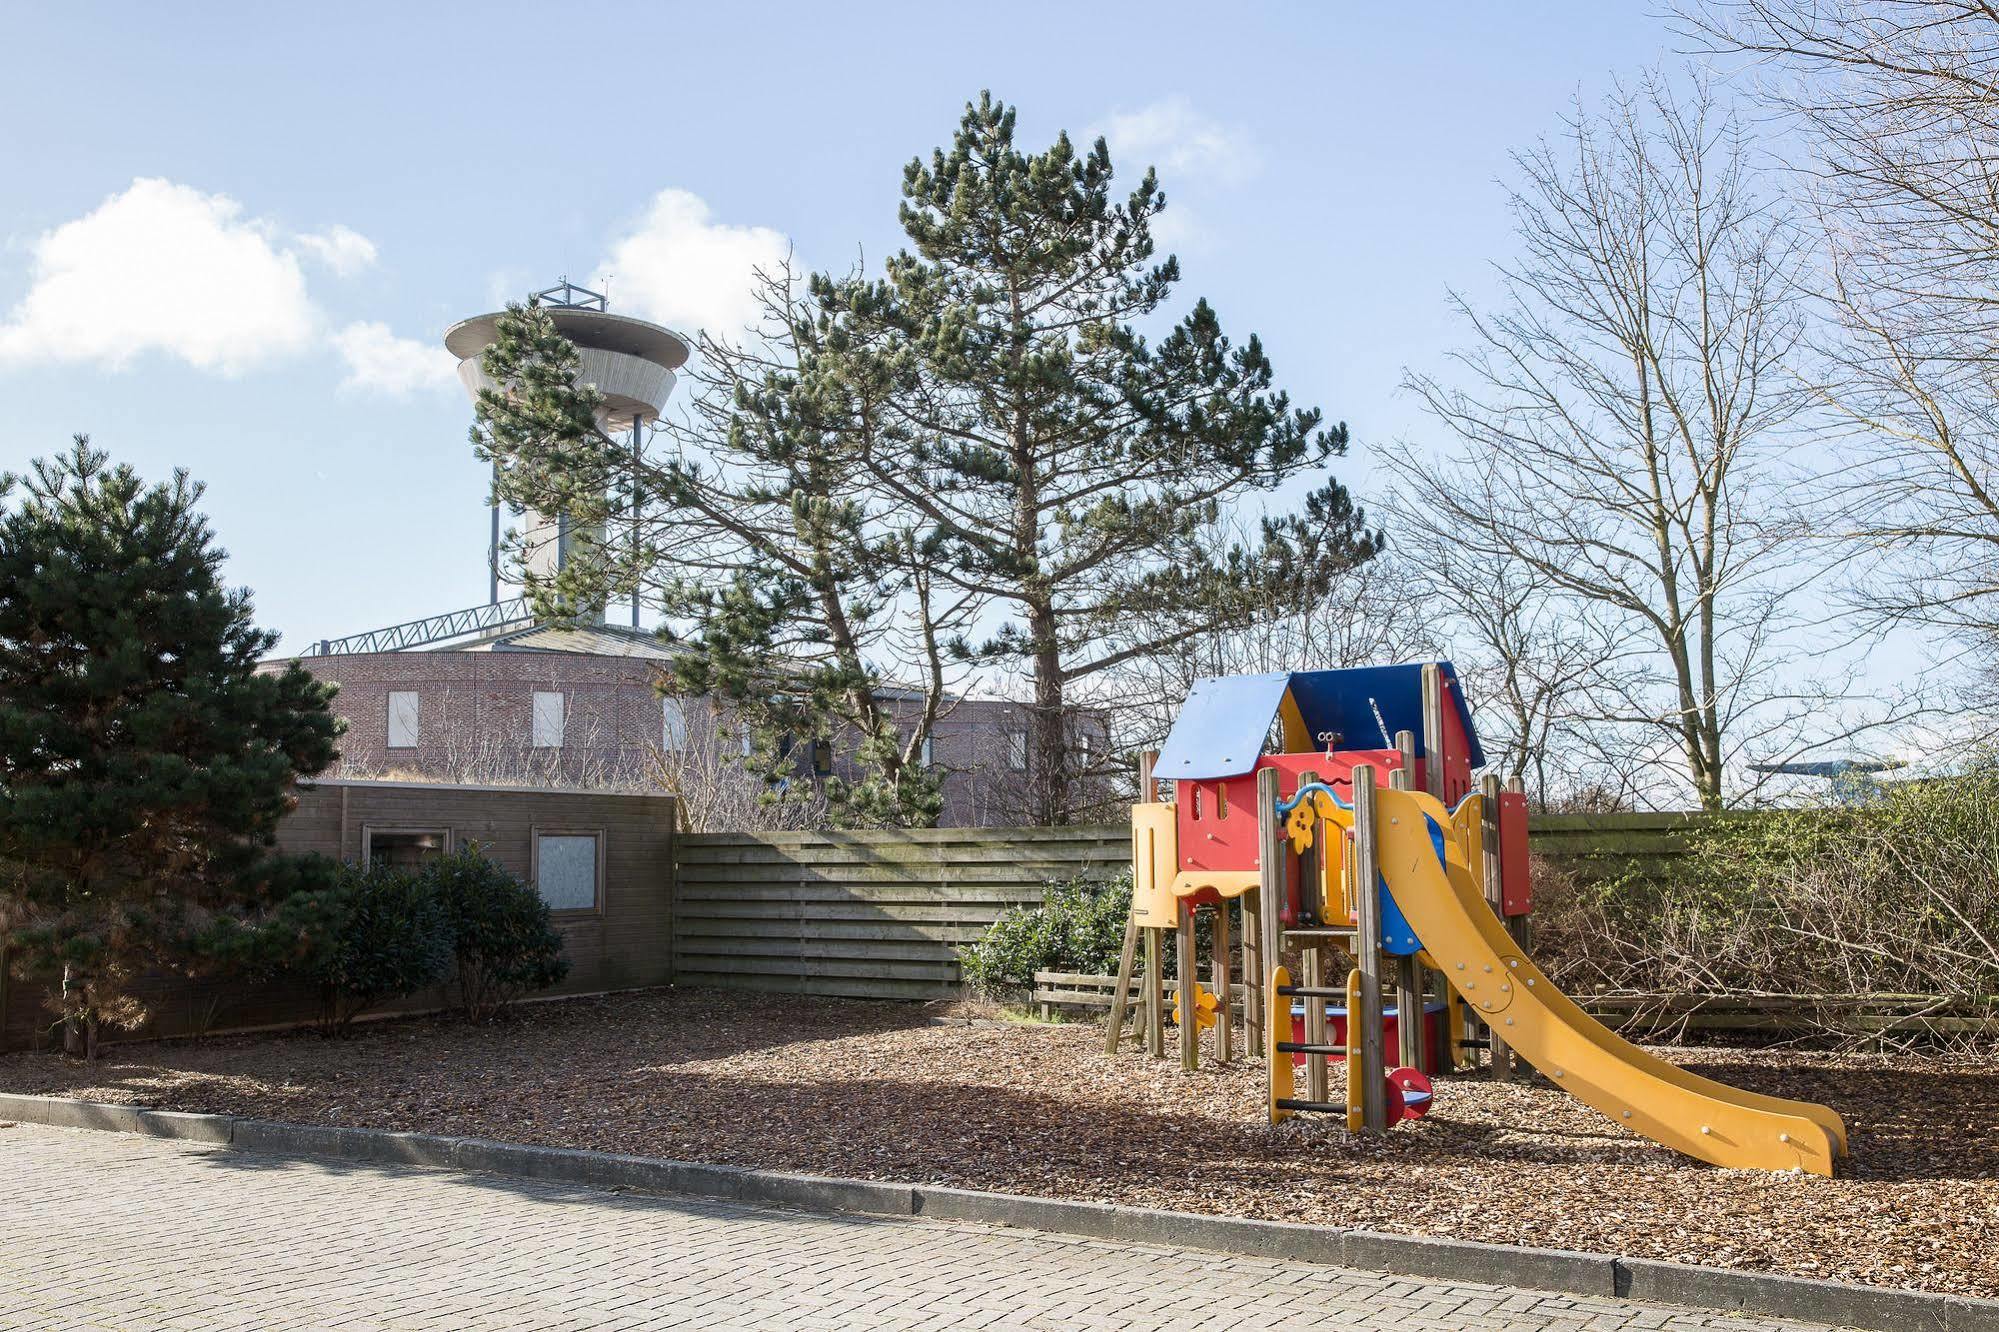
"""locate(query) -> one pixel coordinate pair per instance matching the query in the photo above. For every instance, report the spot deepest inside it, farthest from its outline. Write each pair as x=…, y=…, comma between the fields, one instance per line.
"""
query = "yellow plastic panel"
x=1278, y=1028
x=1155, y=858
x=1691, y=1114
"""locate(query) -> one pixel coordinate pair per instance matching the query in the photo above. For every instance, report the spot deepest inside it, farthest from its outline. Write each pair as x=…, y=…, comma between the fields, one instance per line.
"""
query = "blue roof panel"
x=1221, y=727
x=1223, y=724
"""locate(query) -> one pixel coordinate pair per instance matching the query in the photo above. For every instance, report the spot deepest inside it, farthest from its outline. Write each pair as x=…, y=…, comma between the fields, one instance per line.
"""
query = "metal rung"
x=1307, y=1047
x=1328, y=933
x=1311, y=992
x=1316, y=1107
x=1474, y=1043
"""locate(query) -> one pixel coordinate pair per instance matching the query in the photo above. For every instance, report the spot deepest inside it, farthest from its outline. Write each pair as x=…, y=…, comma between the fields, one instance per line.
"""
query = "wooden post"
x=1129, y=955
x=1367, y=952
x=1155, y=1008
x=1408, y=982
x=1433, y=729
x=1190, y=985
x=1269, y=901
x=1521, y=927
x=1502, y=1055
x=1218, y=966
x=1127, y=959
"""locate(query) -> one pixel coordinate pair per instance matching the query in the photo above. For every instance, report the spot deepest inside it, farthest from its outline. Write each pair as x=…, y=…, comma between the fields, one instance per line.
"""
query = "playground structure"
x=1419, y=886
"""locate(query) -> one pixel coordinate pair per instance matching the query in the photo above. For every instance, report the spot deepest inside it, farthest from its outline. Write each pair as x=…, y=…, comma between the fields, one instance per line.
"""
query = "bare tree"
x=1534, y=661
x=1899, y=102
x=1618, y=419
x=1314, y=614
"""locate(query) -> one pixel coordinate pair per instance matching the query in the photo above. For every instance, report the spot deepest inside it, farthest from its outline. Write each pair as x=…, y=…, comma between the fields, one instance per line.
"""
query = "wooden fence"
x=1665, y=1016
x=879, y=914
x=869, y=914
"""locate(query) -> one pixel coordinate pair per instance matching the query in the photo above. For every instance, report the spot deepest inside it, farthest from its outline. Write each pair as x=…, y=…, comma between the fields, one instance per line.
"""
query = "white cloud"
x=1171, y=135
x=162, y=267
x=342, y=249
x=382, y=362
x=683, y=269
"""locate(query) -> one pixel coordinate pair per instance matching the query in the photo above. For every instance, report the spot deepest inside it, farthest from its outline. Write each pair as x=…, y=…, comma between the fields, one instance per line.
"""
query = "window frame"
x=538, y=831
x=370, y=831
x=389, y=718
x=561, y=698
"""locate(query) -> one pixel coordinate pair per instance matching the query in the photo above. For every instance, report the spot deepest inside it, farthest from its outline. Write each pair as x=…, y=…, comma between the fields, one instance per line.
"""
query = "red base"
x=1336, y=1024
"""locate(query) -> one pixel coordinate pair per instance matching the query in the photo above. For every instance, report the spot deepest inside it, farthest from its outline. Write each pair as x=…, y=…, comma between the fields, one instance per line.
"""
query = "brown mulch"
x=877, y=1091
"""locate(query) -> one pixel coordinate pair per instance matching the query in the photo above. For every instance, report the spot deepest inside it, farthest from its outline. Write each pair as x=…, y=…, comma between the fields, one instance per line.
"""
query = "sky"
x=231, y=237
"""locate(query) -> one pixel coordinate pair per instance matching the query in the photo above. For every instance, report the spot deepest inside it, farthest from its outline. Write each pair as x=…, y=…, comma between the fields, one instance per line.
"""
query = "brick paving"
x=106, y=1230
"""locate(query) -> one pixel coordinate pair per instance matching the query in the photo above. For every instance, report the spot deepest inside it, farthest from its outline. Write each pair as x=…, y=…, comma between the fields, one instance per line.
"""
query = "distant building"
x=581, y=707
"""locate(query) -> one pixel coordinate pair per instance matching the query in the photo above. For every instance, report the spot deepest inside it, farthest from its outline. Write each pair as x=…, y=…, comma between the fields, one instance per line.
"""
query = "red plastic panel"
x=1217, y=822
x=1516, y=891
x=1457, y=749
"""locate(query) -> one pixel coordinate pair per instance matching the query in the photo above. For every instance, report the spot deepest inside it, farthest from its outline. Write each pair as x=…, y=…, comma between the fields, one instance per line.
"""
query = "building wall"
x=475, y=724
x=625, y=942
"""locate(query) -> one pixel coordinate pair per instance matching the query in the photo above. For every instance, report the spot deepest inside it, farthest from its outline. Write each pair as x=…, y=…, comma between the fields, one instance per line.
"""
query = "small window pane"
x=406, y=850
x=673, y=730
x=1016, y=748
x=547, y=721
x=566, y=871
x=929, y=751
x=402, y=719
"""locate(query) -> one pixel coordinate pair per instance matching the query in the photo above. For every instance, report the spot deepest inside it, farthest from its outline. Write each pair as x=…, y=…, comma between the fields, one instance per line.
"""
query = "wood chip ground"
x=877, y=1091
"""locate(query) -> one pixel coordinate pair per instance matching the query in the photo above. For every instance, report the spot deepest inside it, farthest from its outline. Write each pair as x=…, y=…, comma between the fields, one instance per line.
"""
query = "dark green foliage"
x=1073, y=470
x=144, y=760
x=503, y=945
x=1079, y=927
x=787, y=584
x=974, y=462
x=381, y=933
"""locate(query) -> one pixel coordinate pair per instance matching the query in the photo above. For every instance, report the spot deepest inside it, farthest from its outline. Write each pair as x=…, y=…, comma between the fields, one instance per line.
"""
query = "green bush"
x=1078, y=927
x=1897, y=896
x=503, y=944
x=379, y=934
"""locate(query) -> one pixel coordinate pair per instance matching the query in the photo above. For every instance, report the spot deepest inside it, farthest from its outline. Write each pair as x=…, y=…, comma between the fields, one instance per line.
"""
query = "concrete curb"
x=1596, y=1275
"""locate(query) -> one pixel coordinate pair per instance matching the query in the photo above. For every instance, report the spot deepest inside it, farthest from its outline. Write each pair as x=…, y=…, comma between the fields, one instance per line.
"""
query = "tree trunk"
x=73, y=1043
x=1047, y=760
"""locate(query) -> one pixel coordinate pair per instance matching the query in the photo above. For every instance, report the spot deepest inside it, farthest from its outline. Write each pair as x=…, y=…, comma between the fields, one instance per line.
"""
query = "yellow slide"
x=1681, y=1110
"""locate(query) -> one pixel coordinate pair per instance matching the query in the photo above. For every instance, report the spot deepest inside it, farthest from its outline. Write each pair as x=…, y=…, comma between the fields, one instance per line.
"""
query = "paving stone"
x=211, y=1238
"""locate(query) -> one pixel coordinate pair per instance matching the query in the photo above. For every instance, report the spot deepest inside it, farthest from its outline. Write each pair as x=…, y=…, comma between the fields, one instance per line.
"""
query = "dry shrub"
x=1895, y=898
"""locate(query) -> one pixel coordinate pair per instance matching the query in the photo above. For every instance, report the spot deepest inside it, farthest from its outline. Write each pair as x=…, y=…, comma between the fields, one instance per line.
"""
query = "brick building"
x=580, y=707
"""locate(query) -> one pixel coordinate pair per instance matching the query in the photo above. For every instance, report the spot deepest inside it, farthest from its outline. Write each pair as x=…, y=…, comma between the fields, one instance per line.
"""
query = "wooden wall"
x=865, y=914
x=625, y=944
x=877, y=914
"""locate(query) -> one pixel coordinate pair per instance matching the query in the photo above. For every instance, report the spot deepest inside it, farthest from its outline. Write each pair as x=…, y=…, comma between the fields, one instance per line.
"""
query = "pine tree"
x=790, y=590
x=144, y=759
x=1069, y=466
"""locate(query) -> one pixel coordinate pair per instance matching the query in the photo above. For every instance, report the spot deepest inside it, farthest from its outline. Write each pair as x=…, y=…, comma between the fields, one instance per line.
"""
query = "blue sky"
x=281, y=209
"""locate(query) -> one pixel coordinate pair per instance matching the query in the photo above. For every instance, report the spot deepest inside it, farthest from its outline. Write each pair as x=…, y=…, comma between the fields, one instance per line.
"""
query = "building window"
x=929, y=759
x=1016, y=749
x=673, y=725
x=403, y=848
x=547, y=720
x=822, y=758
x=402, y=719
x=569, y=869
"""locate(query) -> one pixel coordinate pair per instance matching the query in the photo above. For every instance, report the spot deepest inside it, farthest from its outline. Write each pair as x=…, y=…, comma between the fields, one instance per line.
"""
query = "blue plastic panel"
x=1221, y=727
x=1367, y=705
